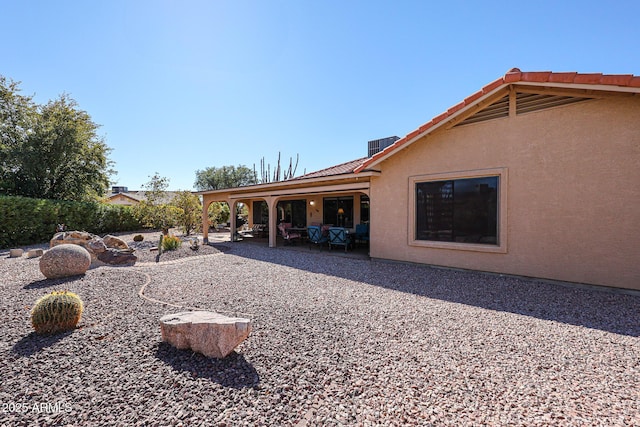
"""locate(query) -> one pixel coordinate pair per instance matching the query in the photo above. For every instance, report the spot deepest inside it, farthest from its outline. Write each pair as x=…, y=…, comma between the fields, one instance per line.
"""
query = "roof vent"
x=116, y=190
x=378, y=145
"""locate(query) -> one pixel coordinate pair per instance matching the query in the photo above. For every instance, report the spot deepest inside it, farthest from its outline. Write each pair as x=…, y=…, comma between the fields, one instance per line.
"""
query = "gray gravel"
x=336, y=341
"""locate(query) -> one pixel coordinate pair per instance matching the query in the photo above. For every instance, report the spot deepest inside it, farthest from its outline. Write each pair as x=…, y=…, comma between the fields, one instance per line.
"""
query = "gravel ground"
x=336, y=341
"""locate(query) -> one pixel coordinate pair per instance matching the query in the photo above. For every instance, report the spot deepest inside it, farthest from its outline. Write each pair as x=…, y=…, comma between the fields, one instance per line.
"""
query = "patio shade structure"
x=335, y=181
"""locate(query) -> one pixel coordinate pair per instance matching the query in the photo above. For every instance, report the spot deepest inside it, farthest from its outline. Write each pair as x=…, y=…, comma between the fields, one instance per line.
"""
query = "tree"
x=155, y=211
x=17, y=115
x=218, y=213
x=50, y=151
x=155, y=189
x=190, y=216
x=224, y=177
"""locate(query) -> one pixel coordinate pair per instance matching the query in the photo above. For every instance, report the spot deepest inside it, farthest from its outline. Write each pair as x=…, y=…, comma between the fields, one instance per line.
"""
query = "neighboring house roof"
x=138, y=196
x=591, y=81
x=342, y=168
x=124, y=195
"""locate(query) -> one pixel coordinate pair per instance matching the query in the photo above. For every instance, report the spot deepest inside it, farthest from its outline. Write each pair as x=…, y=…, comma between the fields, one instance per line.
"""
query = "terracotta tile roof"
x=341, y=169
x=512, y=76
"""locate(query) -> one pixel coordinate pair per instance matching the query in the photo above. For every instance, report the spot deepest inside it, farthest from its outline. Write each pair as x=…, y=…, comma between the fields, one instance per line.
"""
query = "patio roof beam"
x=360, y=186
x=303, y=183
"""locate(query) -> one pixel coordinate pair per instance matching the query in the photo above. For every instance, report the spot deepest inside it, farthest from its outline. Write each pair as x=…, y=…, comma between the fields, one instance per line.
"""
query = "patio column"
x=272, y=202
x=205, y=219
x=232, y=218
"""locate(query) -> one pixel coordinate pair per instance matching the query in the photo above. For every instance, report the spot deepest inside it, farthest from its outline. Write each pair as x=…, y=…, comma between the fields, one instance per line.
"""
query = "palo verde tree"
x=190, y=215
x=155, y=210
x=50, y=151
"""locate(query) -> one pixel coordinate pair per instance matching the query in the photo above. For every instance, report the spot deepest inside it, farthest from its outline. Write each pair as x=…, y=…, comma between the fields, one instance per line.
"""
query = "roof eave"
x=436, y=123
x=614, y=83
x=289, y=183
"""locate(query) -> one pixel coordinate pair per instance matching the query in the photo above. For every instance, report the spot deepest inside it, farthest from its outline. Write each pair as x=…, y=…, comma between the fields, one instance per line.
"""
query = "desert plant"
x=56, y=312
x=138, y=238
x=190, y=215
x=171, y=243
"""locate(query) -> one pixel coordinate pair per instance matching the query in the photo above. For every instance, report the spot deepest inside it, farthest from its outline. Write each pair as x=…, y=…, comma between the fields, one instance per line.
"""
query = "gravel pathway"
x=336, y=341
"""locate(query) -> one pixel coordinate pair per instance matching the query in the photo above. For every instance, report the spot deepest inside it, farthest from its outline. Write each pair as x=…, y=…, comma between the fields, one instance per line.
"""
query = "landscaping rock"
x=206, y=332
x=114, y=242
x=96, y=246
x=64, y=261
x=71, y=237
x=107, y=250
x=119, y=257
x=34, y=253
x=15, y=253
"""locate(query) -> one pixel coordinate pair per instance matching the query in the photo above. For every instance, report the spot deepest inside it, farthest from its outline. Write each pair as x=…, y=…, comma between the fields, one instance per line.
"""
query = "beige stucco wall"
x=573, y=193
x=120, y=200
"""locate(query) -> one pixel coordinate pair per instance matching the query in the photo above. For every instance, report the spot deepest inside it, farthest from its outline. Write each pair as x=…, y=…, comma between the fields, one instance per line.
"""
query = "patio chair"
x=362, y=233
x=290, y=238
x=338, y=236
x=314, y=232
x=260, y=230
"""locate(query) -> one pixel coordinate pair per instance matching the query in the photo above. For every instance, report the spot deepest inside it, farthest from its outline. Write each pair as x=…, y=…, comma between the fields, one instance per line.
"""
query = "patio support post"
x=272, y=202
x=232, y=218
x=205, y=219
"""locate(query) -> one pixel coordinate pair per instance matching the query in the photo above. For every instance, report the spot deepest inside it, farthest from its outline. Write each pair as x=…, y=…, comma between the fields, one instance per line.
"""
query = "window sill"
x=473, y=247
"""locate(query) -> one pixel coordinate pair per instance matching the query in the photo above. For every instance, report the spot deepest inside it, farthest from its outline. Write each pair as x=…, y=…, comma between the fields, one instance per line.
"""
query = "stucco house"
x=536, y=174
x=122, y=196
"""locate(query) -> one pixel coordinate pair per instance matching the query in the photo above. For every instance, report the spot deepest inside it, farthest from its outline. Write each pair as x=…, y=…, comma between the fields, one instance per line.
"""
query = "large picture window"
x=458, y=210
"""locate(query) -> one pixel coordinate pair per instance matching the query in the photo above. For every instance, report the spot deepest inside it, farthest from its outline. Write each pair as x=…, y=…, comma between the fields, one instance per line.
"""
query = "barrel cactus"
x=56, y=312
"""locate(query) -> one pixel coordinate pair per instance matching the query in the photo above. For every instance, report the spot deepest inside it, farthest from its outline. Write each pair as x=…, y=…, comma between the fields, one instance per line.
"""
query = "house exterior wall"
x=571, y=196
x=121, y=200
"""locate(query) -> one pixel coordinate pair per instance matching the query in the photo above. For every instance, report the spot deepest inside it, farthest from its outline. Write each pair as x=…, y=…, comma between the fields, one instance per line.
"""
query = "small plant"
x=56, y=312
x=138, y=238
x=171, y=243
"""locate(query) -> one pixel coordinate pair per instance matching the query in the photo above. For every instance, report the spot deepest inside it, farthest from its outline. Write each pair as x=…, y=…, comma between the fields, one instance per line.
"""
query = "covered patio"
x=332, y=197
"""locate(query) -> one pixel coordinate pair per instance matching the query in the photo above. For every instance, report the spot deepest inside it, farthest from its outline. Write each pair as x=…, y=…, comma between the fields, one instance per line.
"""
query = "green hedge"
x=24, y=221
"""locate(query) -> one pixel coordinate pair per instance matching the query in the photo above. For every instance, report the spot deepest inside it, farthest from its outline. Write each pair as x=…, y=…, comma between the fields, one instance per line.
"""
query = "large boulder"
x=119, y=257
x=107, y=250
x=71, y=237
x=206, y=332
x=65, y=261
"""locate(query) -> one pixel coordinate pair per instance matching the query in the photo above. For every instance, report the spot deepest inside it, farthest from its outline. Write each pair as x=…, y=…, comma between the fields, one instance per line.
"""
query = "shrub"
x=26, y=221
x=58, y=311
x=171, y=243
x=138, y=238
x=190, y=215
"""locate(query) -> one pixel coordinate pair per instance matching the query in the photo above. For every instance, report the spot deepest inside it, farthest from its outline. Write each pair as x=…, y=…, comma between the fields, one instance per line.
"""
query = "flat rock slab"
x=15, y=253
x=206, y=332
x=34, y=253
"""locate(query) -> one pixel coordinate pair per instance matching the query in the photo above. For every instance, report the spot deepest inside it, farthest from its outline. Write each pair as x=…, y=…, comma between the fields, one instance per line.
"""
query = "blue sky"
x=179, y=86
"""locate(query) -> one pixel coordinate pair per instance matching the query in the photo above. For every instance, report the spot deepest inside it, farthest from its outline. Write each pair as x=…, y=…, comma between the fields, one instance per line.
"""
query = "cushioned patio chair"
x=362, y=233
x=290, y=237
x=338, y=237
x=314, y=232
